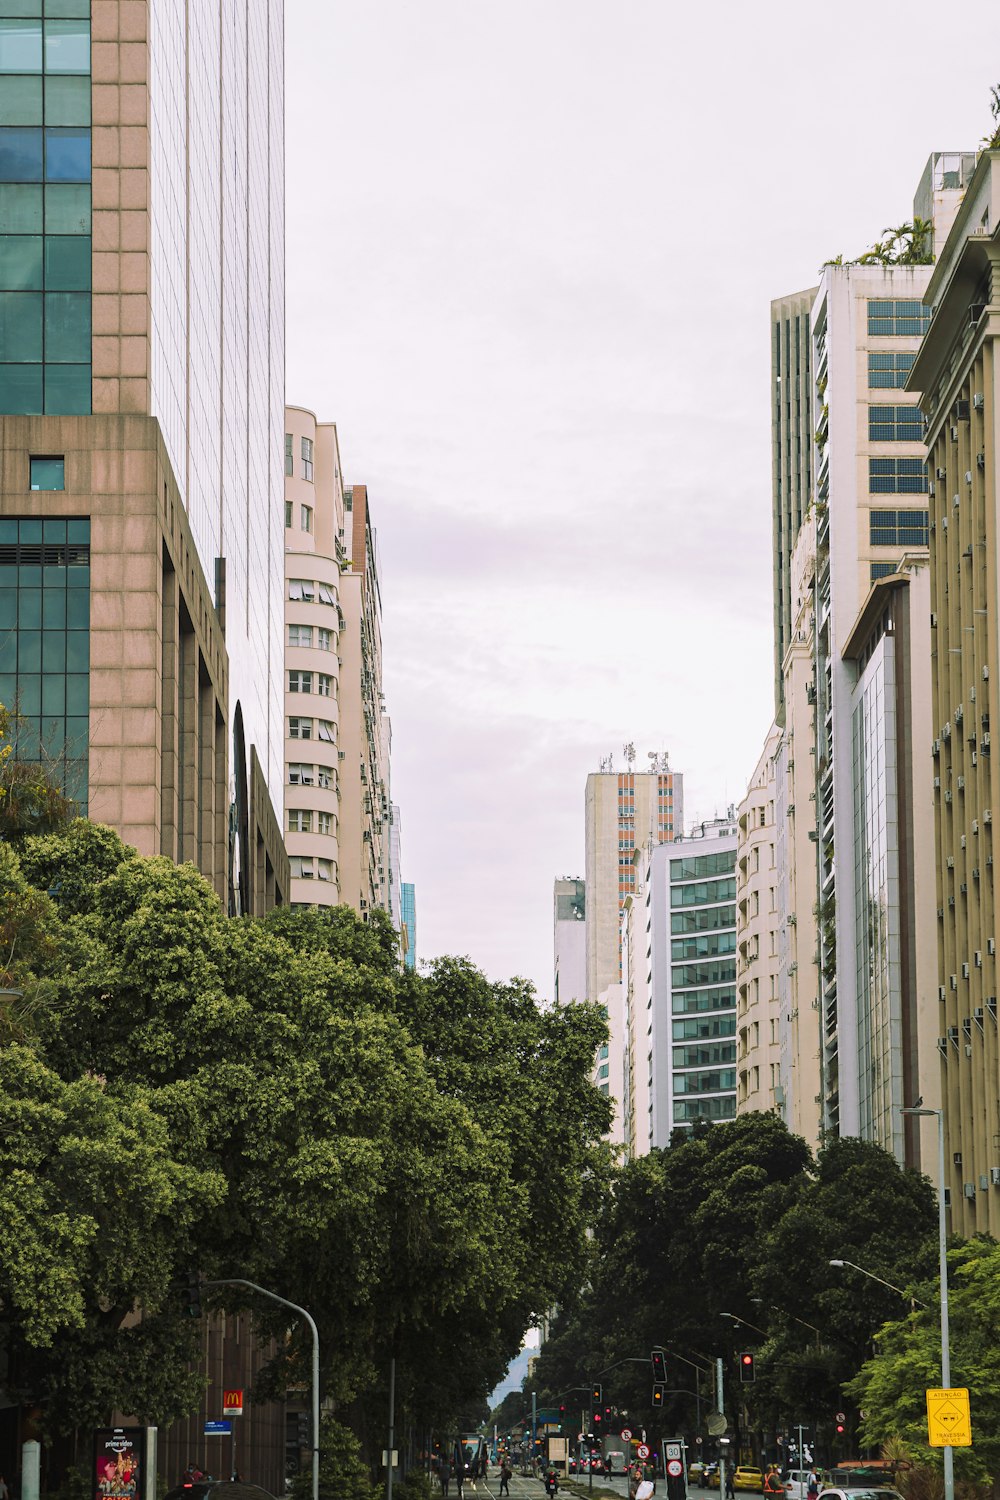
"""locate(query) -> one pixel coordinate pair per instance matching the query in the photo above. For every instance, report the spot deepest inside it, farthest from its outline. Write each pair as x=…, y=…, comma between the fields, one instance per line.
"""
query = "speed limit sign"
x=642, y=1451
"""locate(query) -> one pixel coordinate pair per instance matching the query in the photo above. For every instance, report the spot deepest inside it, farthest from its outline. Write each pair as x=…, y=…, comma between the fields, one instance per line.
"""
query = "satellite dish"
x=716, y=1424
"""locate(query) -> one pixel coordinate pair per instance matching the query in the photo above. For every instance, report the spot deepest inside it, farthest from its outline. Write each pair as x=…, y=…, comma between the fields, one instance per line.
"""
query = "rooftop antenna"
x=629, y=753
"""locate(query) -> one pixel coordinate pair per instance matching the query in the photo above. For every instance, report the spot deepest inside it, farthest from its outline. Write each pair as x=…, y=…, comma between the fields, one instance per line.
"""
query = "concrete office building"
x=623, y=811
x=692, y=891
x=569, y=939
x=791, y=454
x=758, y=920
x=955, y=374
x=141, y=397
x=637, y=1047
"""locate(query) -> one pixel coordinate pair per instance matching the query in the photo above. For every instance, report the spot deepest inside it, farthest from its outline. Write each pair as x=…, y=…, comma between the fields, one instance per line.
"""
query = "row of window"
x=703, y=919
x=722, y=1107
x=303, y=635
x=306, y=454
x=306, y=591
x=304, y=867
x=304, y=820
x=897, y=528
x=305, y=516
x=53, y=100
x=889, y=368
x=302, y=682
x=897, y=476
x=301, y=774
x=53, y=153
x=694, y=868
x=895, y=424
x=308, y=729
x=53, y=45
x=703, y=893
x=900, y=318
x=703, y=945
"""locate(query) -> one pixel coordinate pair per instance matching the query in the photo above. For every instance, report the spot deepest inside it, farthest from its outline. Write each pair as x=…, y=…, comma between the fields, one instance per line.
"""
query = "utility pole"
x=392, y=1427
x=720, y=1401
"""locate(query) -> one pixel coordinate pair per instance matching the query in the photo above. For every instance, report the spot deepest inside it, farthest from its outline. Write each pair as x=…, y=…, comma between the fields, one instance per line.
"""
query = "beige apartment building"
x=955, y=373
x=337, y=737
x=758, y=919
x=791, y=455
x=141, y=391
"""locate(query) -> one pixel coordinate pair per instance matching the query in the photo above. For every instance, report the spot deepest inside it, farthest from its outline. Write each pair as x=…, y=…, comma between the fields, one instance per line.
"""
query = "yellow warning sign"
x=949, y=1423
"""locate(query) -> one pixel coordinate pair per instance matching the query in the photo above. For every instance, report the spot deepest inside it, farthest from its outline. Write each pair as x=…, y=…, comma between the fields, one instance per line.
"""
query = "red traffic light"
x=840, y=1426
x=597, y=1416
x=748, y=1359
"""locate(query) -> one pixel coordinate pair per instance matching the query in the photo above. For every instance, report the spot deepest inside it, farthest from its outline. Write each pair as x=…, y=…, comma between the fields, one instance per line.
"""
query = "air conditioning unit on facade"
x=942, y=992
x=965, y=971
x=968, y=476
x=978, y=401
x=941, y=474
x=995, y=1176
x=969, y=1190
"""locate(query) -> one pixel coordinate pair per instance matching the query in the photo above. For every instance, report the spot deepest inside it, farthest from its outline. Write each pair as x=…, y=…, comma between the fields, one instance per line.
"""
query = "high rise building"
x=408, y=900
x=955, y=373
x=791, y=454
x=569, y=939
x=758, y=922
x=141, y=397
x=692, y=1037
x=339, y=817
x=869, y=487
x=623, y=811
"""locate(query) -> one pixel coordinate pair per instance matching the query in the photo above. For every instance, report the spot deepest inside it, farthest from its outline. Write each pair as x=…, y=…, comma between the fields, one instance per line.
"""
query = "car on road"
x=797, y=1483
x=695, y=1471
x=746, y=1478
x=874, y=1492
x=710, y=1477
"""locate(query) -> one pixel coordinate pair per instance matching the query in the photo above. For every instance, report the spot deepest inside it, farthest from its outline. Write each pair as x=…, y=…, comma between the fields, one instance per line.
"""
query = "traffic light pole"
x=720, y=1403
x=239, y=1281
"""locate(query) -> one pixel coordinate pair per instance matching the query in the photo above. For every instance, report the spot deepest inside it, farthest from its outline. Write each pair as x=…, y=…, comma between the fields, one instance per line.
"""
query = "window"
x=289, y=462
x=326, y=594
x=895, y=424
x=897, y=528
x=300, y=867
x=327, y=731
x=903, y=319
x=300, y=682
x=307, y=458
x=47, y=473
x=324, y=684
x=888, y=368
x=324, y=777
x=897, y=476
x=299, y=820
x=300, y=635
x=881, y=570
x=705, y=864
x=324, y=869
x=300, y=775
x=306, y=517
x=324, y=822
x=300, y=729
x=323, y=639
x=288, y=514
x=303, y=589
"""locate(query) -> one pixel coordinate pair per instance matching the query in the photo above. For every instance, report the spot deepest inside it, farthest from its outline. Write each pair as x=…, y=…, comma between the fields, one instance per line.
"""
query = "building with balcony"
x=569, y=939
x=758, y=920
x=955, y=376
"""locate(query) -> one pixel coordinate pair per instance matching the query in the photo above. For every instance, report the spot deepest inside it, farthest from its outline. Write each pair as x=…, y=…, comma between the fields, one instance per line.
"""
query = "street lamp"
x=743, y=1322
x=949, y=1455
x=881, y=1279
x=775, y=1308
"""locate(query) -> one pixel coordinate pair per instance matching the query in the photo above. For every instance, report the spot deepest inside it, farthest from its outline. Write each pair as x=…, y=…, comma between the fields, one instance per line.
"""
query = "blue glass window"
x=20, y=46
x=48, y=474
x=21, y=326
x=904, y=319
x=889, y=368
x=22, y=7
x=67, y=101
x=895, y=424
x=20, y=388
x=897, y=528
x=21, y=262
x=21, y=101
x=897, y=476
x=67, y=328
x=67, y=264
x=20, y=154
x=67, y=8
x=67, y=46
x=67, y=208
x=20, y=208
x=67, y=155
x=67, y=389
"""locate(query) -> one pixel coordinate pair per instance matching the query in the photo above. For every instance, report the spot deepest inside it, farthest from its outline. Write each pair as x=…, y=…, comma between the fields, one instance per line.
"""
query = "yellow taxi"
x=749, y=1479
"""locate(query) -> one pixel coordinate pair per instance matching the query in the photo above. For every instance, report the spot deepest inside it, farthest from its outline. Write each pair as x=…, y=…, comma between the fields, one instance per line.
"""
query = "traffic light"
x=840, y=1427
x=597, y=1405
x=659, y=1391
x=748, y=1373
x=659, y=1362
x=193, y=1308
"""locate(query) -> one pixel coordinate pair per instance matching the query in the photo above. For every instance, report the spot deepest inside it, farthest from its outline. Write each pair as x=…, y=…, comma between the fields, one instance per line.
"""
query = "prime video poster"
x=118, y=1458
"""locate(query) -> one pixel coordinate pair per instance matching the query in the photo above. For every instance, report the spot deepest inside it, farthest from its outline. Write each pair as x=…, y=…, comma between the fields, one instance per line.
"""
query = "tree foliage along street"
x=739, y=1218
x=413, y=1158
x=890, y=1387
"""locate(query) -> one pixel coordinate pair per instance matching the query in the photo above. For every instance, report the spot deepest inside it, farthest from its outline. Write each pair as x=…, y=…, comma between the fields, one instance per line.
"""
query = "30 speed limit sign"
x=642, y=1451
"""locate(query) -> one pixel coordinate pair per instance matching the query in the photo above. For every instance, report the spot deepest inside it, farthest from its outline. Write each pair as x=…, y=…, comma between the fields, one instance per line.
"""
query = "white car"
x=797, y=1483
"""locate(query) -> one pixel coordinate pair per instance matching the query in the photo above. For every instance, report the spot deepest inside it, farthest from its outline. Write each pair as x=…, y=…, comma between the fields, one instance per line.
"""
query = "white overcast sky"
x=531, y=250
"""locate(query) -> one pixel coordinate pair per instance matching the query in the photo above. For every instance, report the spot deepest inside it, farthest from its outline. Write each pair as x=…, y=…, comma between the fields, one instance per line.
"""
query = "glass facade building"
x=45, y=206
x=409, y=910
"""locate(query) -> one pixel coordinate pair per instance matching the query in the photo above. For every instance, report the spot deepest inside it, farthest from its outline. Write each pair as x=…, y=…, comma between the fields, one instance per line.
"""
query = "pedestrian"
x=506, y=1473
x=444, y=1476
x=772, y=1482
x=812, y=1485
x=645, y=1489
x=730, y=1486
x=4, y=1491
